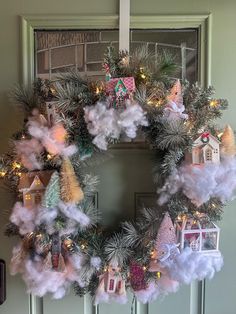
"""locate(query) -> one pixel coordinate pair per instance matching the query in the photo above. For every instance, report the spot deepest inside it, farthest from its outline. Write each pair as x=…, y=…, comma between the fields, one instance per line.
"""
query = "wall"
x=223, y=74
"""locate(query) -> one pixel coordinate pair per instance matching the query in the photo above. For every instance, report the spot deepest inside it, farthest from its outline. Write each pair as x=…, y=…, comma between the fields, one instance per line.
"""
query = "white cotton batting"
x=50, y=138
x=167, y=285
x=202, y=182
x=28, y=150
x=40, y=281
x=23, y=217
x=46, y=215
x=132, y=117
x=101, y=297
x=71, y=211
x=189, y=266
x=149, y=294
x=104, y=123
x=76, y=260
x=95, y=261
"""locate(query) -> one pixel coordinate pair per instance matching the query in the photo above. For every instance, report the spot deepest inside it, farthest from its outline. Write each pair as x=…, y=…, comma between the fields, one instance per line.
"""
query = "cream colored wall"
x=220, y=298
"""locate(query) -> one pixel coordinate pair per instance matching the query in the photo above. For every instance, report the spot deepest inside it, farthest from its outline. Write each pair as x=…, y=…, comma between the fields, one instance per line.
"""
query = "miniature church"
x=206, y=149
x=32, y=185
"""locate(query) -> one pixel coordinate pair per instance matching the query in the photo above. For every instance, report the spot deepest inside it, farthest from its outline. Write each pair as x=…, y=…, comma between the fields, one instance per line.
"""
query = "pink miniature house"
x=120, y=88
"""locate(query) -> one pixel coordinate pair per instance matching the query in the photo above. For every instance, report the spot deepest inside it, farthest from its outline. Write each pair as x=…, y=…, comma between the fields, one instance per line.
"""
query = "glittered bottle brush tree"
x=60, y=236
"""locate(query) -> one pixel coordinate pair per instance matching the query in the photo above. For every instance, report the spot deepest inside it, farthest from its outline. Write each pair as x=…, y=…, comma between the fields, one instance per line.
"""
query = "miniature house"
x=206, y=149
x=199, y=235
x=120, y=88
x=32, y=185
x=113, y=280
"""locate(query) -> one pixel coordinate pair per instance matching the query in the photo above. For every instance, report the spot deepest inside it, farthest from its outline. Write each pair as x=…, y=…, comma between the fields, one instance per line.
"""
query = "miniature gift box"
x=200, y=235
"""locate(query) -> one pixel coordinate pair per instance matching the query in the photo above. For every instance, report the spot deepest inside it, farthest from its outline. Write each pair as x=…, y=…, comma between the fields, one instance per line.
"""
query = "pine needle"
x=117, y=250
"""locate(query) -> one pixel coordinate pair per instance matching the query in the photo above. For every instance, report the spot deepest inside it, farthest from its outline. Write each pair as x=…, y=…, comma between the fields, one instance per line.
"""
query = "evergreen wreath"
x=71, y=122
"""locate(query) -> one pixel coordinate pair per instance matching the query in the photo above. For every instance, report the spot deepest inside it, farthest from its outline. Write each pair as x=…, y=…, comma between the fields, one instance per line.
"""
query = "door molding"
x=30, y=23
x=202, y=22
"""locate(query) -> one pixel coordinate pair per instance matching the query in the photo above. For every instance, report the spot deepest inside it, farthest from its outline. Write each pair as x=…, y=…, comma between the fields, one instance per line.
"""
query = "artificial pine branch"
x=174, y=135
x=117, y=250
x=132, y=236
x=26, y=98
x=171, y=160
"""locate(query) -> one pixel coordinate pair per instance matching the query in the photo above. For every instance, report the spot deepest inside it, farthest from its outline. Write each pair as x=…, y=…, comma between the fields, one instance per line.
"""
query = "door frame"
x=30, y=23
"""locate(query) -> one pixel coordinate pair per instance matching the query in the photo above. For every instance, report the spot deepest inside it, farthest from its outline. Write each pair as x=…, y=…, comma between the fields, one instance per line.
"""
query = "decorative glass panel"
x=192, y=240
x=62, y=50
x=209, y=240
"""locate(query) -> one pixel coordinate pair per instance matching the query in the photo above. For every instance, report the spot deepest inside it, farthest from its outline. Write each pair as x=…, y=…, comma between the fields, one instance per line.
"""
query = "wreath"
x=70, y=123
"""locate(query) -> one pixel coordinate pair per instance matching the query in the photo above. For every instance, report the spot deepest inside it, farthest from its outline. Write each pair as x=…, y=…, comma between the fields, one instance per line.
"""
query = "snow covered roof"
x=27, y=179
x=212, y=138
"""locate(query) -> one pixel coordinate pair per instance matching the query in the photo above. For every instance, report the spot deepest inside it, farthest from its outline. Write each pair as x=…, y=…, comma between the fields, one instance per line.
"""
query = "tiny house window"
x=208, y=154
x=27, y=197
x=58, y=51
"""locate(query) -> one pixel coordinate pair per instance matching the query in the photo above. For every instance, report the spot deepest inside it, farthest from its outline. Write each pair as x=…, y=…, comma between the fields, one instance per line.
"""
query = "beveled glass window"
x=83, y=50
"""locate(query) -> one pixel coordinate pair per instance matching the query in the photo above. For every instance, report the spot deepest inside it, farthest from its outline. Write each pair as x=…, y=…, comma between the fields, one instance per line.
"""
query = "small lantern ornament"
x=201, y=235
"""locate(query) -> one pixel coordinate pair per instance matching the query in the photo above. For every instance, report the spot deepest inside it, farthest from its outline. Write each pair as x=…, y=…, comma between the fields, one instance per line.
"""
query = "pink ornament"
x=137, y=277
x=174, y=108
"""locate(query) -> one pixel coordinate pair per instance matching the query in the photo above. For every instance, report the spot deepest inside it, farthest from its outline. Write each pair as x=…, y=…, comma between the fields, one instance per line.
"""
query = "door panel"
x=71, y=304
x=179, y=300
x=220, y=294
